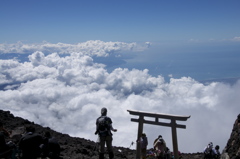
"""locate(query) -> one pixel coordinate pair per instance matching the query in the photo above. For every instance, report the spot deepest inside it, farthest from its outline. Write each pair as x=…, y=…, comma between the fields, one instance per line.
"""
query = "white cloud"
x=90, y=48
x=67, y=93
x=194, y=40
x=236, y=39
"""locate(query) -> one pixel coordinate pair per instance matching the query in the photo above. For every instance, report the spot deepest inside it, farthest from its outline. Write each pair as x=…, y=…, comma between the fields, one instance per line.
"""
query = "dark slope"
x=71, y=147
x=80, y=148
x=233, y=144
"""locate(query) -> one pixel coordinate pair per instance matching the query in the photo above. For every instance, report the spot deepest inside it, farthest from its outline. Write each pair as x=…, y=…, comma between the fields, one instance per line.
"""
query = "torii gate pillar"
x=174, y=138
x=173, y=125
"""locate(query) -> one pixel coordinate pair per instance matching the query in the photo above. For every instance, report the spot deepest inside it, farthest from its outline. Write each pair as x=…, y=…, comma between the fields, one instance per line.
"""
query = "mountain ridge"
x=80, y=148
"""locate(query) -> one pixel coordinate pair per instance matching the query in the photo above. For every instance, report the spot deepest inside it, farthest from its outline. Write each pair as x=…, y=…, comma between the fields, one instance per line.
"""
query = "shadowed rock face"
x=233, y=144
x=79, y=148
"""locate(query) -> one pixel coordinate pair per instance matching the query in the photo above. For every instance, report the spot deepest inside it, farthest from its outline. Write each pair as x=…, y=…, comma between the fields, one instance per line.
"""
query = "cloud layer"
x=91, y=48
x=67, y=94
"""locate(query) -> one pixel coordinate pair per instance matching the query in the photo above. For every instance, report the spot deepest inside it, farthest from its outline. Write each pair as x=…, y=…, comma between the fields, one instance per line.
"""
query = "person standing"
x=103, y=129
x=160, y=146
x=143, y=145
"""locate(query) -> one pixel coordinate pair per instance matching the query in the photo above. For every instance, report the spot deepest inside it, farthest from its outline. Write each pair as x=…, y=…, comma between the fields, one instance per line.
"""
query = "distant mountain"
x=223, y=80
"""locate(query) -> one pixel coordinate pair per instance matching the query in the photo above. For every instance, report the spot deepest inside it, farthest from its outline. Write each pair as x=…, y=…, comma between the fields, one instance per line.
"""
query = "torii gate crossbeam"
x=172, y=124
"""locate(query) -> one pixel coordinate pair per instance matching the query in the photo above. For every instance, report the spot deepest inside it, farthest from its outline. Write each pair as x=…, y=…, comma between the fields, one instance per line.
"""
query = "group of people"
x=33, y=145
x=211, y=152
x=104, y=128
x=30, y=146
x=159, y=150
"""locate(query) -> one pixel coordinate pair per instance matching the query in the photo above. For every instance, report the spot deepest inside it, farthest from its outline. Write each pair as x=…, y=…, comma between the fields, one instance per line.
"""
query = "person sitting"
x=167, y=153
x=51, y=147
x=29, y=144
x=215, y=152
x=208, y=151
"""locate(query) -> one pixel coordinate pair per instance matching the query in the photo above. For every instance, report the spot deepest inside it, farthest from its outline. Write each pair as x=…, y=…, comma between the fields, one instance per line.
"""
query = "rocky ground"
x=233, y=144
x=79, y=148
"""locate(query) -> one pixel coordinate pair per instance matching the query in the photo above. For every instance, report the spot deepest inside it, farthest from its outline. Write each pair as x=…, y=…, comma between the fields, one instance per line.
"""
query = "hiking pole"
x=131, y=144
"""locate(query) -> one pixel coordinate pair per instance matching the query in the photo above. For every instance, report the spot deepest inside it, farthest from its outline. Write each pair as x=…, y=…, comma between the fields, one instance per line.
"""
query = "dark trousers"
x=108, y=141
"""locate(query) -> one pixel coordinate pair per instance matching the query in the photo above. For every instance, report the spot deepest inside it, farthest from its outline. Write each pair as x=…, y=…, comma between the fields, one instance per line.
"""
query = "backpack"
x=208, y=150
x=104, y=126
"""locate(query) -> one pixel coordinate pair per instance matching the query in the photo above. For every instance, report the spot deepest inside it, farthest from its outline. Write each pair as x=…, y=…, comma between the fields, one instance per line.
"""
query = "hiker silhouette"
x=51, y=147
x=103, y=129
x=159, y=146
x=143, y=141
x=210, y=152
x=29, y=144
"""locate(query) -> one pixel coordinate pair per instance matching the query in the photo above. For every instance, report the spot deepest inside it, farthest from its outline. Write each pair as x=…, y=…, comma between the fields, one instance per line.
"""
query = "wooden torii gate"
x=172, y=124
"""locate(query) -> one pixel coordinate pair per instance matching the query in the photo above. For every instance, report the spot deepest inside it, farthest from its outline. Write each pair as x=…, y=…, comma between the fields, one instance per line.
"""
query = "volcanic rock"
x=80, y=148
x=232, y=148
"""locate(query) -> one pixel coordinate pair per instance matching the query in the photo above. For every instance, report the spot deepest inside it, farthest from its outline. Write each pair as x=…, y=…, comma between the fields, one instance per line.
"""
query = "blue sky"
x=177, y=31
x=136, y=20
x=70, y=58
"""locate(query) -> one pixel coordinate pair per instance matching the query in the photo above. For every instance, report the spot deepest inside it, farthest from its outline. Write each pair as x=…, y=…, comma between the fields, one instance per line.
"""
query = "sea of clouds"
x=67, y=93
